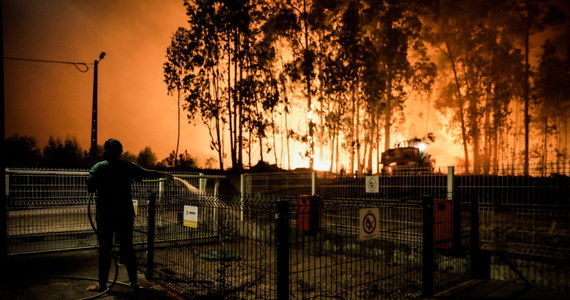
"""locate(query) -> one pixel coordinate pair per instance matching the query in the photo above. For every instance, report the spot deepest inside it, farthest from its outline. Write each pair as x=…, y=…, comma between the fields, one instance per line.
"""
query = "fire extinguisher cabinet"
x=444, y=223
x=308, y=213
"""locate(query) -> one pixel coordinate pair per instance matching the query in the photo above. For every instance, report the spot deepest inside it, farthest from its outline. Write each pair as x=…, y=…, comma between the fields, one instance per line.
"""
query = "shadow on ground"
x=66, y=275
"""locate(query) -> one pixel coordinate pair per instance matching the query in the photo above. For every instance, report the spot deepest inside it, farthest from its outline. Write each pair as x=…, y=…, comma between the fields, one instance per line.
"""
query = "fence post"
x=4, y=221
x=282, y=241
x=450, y=182
x=161, y=190
x=150, y=235
x=427, y=253
x=217, y=187
x=477, y=264
x=242, y=194
x=313, y=183
x=202, y=183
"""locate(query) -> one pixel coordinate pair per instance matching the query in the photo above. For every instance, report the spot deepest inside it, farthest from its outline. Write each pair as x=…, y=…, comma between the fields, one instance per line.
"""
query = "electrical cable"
x=84, y=66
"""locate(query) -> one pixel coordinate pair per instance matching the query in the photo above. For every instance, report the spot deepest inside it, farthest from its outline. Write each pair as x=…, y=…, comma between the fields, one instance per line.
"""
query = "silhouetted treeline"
x=24, y=152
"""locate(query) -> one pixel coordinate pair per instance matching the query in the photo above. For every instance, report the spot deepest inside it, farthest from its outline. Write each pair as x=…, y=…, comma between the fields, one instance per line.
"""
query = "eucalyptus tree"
x=552, y=93
x=337, y=115
x=393, y=34
x=294, y=20
x=482, y=43
x=365, y=57
x=532, y=17
x=340, y=76
x=213, y=61
x=399, y=29
x=176, y=70
x=193, y=69
x=502, y=85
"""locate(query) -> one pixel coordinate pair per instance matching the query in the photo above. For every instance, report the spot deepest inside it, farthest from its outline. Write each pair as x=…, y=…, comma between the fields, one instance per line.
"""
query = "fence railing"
x=519, y=214
x=523, y=228
x=47, y=210
x=524, y=220
x=269, y=247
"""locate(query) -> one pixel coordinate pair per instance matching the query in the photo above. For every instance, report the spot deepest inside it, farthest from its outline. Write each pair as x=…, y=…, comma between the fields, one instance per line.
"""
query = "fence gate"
x=354, y=249
x=451, y=242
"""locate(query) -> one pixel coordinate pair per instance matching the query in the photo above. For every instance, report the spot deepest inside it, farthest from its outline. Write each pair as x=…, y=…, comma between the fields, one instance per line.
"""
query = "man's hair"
x=112, y=149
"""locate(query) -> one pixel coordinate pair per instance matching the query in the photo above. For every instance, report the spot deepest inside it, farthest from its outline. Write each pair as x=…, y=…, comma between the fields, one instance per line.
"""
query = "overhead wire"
x=80, y=66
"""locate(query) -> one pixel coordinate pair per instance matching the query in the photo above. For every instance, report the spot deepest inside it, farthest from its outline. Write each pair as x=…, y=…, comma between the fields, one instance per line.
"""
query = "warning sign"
x=190, y=216
x=372, y=184
x=369, y=227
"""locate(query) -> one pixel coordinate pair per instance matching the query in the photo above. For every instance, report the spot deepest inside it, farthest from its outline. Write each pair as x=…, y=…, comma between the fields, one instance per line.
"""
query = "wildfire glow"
x=321, y=165
x=422, y=147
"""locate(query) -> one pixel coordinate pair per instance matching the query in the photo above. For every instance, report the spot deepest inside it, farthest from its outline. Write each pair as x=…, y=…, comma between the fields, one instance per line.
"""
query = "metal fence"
x=267, y=247
x=219, y=249
x=523, y=230
x=524, y=220
x=47, y=210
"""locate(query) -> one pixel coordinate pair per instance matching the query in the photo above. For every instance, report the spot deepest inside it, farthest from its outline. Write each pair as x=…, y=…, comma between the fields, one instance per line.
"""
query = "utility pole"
x=4, y=198
x=93, y=149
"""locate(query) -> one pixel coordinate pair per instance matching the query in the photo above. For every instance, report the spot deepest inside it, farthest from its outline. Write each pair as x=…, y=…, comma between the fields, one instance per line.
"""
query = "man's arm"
x=91, y=186
x=157, y=174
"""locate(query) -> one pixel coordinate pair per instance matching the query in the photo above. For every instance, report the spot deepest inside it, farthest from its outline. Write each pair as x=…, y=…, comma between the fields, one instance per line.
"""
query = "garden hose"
x=154, y=180
x=93, y=226
x=101, y=244
x=108, y=247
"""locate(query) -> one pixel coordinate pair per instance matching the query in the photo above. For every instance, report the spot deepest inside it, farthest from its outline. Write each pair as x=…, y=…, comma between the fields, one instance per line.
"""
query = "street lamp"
x=93, y=149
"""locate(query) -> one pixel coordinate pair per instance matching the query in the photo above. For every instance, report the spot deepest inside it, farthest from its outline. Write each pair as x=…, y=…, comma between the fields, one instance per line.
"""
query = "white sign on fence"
x=369, y=223
x=190, y=216
x=372, y=184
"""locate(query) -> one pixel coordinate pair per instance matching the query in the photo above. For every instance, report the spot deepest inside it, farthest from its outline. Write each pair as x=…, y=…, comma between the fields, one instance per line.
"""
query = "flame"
x=422, y=147
x=321, y=165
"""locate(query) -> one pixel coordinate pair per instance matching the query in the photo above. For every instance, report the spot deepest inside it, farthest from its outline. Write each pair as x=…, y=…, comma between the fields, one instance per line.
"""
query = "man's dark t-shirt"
x=113, y=179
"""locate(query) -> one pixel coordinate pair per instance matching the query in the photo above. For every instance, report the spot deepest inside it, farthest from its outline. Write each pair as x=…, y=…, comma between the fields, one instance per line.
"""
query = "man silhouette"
x=111, y=179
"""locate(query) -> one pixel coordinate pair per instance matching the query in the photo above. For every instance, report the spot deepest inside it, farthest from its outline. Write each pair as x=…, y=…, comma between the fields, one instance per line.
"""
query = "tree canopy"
x=337, y=76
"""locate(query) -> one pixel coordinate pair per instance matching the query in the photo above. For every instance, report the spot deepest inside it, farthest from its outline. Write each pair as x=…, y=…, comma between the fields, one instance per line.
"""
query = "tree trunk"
x=231, y=99
x=488, y=132
x=178, y=126
x=274, y=139
x=526, y=90
x=388, y=113
x=352, y=145
x=545, y=143
x=460, y=110
x=357, y=134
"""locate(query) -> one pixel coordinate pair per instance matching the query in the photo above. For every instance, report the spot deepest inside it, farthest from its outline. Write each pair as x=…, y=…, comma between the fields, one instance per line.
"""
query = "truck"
x=406, y=159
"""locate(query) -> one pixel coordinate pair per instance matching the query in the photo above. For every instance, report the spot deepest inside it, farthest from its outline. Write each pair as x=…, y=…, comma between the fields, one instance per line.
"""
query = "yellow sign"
x=190, y=216
x=136, y=207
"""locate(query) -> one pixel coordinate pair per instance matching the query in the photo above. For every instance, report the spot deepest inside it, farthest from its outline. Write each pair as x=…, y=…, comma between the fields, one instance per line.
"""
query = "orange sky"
x=45, y=100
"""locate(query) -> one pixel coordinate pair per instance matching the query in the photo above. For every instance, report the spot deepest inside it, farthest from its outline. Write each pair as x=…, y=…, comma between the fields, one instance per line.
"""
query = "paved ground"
x=65, y=275
x=498, y=290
